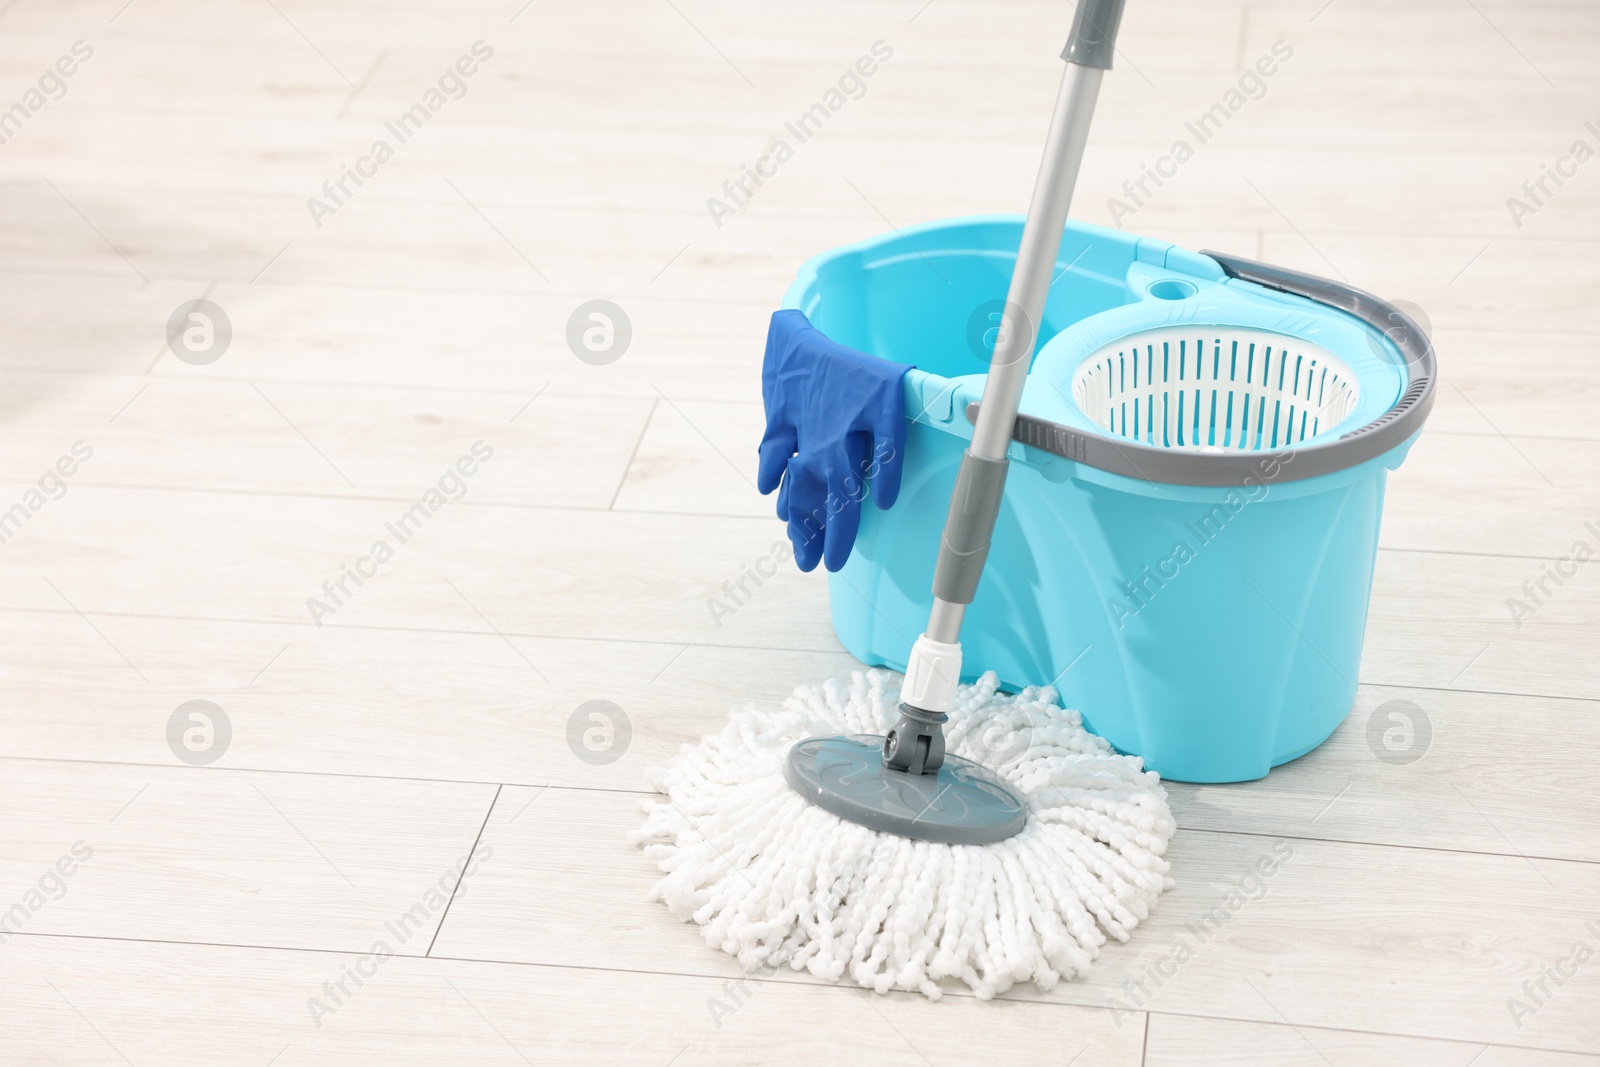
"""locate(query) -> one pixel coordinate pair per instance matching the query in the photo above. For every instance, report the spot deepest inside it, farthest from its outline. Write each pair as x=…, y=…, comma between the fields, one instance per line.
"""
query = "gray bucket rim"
x=1398, y=424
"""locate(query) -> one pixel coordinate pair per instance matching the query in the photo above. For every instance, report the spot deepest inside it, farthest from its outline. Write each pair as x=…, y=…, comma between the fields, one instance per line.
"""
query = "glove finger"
x=783, y=498
x=841, y=532
x=808, y=513
x=776, y=448
x=854, y=467
x=888, y=451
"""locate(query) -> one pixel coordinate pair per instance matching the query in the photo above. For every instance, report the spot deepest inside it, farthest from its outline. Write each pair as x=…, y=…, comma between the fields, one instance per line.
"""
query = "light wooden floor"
x=429, y=715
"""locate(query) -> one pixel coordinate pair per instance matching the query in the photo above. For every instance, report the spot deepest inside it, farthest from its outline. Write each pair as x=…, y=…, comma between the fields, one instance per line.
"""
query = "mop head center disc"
x=960, y=804
x=776, y=880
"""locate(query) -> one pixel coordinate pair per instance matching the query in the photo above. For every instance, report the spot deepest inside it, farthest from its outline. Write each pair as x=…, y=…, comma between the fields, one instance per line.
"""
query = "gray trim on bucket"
x=1403, y=419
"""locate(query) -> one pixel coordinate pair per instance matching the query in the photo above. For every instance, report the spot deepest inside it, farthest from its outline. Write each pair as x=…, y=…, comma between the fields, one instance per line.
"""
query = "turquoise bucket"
x=1186, y=544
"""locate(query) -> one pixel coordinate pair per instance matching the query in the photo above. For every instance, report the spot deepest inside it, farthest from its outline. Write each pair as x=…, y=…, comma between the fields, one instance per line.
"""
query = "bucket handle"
x=1403, y=419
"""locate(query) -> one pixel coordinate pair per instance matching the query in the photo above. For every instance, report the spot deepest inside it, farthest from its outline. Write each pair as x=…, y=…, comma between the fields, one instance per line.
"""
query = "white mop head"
x=775, y=880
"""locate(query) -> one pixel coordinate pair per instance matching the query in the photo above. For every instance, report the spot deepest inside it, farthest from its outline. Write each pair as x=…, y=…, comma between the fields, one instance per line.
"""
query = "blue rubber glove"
x=835, y=424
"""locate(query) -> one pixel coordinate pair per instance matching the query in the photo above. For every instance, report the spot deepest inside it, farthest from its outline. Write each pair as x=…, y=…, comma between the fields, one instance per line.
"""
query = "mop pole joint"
x=916, y=744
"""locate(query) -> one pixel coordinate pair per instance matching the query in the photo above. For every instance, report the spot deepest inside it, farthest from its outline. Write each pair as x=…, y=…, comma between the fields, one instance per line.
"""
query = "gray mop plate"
x=962, y=804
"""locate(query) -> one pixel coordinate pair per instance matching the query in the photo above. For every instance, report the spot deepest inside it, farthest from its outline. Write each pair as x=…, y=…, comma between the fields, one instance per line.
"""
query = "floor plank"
x=452, y=707
x=182, y=854
x=1177, y=1039
x=91, y=1002
x=318, y=440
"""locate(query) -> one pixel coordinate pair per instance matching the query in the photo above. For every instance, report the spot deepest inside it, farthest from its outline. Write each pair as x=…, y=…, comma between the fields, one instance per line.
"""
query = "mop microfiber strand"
x=775, y=880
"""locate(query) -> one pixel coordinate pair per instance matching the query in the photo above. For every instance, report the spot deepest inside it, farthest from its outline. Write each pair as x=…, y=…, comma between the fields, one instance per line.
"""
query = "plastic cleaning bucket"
x=1186, y=543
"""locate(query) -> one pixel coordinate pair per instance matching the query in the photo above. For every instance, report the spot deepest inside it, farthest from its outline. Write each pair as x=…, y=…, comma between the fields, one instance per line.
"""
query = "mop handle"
x=975, y=503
